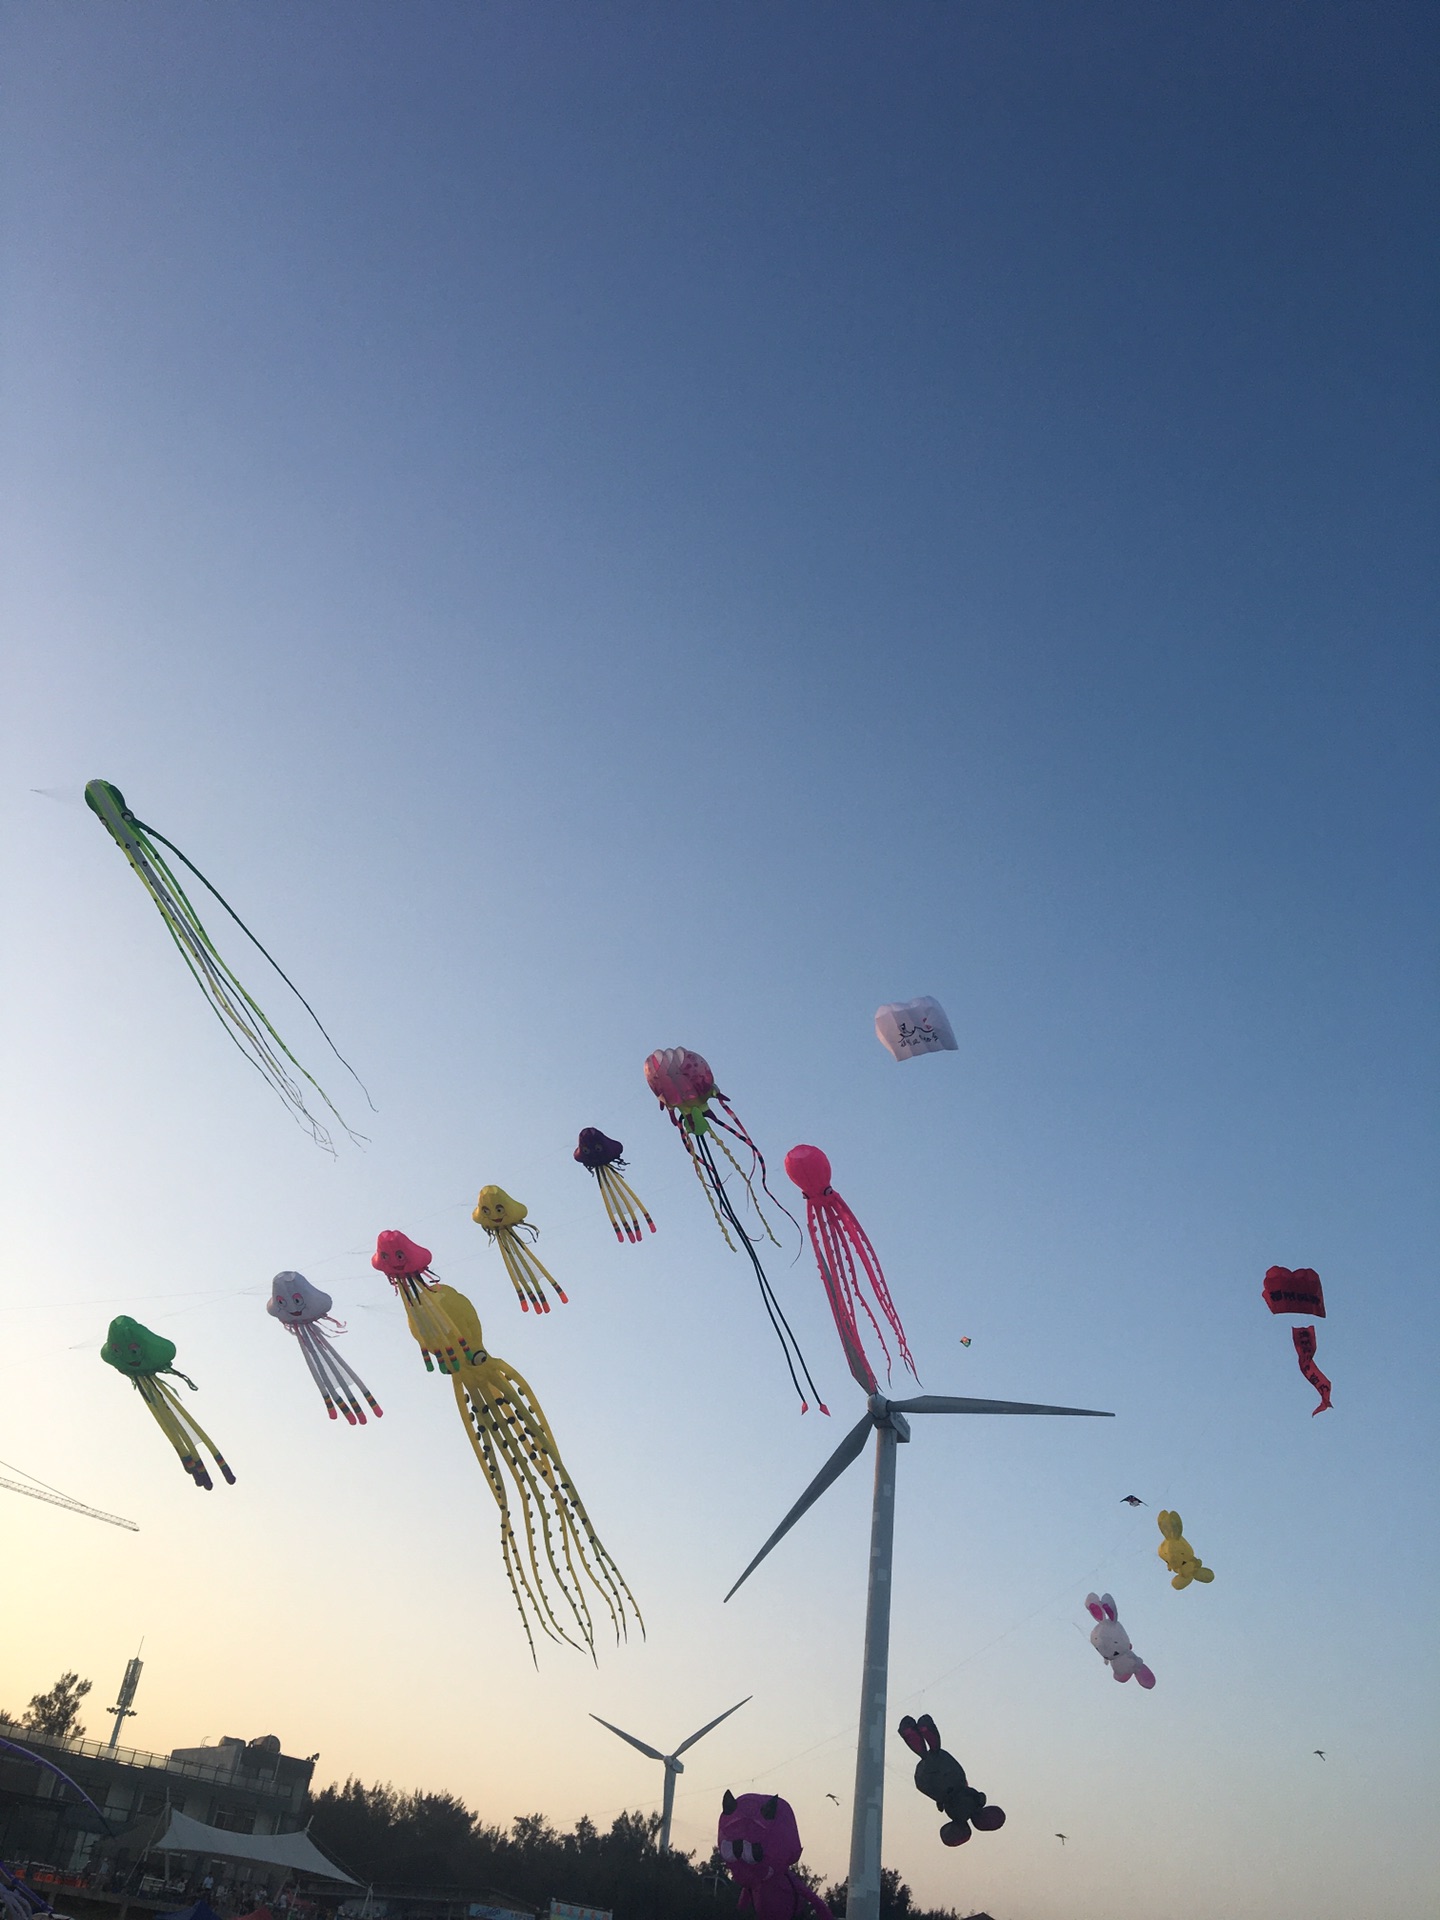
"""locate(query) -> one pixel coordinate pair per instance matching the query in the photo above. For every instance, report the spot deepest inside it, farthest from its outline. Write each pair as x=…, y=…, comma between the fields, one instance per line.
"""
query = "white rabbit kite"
x=1112, y=1642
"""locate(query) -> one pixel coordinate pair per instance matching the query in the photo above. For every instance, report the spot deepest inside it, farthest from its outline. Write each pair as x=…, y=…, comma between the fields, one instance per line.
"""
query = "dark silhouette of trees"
x=410, y=1841
x=56, y=1714
x=433, y=1841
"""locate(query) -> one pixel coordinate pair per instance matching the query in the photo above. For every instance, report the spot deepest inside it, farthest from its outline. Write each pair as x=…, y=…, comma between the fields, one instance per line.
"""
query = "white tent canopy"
x=297, y=1851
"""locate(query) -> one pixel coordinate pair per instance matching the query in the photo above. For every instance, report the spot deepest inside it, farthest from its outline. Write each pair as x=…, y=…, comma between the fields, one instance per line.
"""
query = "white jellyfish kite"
x=300, y=1308
x=906, y=1028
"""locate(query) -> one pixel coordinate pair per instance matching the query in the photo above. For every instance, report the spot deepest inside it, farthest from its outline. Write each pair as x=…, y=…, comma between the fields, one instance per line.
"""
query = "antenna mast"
x=122, y=1708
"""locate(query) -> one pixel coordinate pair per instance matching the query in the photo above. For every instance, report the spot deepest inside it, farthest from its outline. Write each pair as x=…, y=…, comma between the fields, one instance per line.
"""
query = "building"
x=247, y=1789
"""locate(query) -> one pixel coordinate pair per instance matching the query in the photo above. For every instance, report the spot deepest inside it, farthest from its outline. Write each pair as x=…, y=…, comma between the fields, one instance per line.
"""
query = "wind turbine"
x=887, y=1419
x=672, y=1762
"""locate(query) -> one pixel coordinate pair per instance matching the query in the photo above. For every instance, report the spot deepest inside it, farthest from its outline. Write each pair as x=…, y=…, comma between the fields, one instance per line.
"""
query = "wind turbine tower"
x=122, y=1708
x=886, y=1419
x=672, y=1762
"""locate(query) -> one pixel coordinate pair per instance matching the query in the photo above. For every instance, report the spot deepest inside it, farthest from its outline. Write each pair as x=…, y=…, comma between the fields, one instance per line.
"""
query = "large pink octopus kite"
x=837, y=1238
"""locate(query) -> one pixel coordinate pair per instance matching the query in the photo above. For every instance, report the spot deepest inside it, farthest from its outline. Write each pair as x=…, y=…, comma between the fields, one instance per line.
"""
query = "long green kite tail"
x=237, y=1012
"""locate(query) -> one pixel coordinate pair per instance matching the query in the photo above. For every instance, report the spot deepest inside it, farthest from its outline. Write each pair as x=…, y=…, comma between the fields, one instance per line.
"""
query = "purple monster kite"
x=759, y=1843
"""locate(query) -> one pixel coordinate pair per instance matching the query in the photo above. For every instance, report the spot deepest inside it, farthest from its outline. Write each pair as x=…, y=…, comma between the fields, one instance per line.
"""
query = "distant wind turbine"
x=671, y=1761
x=887, y=1419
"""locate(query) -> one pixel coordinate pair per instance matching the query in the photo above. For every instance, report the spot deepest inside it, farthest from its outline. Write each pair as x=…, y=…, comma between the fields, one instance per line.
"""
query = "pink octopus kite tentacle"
x=840, y=1291
x=870, y=1260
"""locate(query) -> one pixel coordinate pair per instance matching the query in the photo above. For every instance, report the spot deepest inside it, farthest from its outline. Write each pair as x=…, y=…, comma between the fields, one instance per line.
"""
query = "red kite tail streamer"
x=1304, y=1338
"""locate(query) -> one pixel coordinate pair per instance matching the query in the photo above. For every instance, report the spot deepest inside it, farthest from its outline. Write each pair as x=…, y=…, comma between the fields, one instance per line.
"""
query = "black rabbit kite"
x=941, y=1778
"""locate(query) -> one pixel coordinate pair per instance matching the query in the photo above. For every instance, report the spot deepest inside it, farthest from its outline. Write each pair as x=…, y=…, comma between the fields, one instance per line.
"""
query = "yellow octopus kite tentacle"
x=480, y=1441
x=490, y=1423
x=523, y=1432
x=511, y=1437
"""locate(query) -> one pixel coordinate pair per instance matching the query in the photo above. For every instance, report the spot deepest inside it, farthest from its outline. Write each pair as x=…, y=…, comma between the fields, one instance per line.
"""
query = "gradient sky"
x=605, y=527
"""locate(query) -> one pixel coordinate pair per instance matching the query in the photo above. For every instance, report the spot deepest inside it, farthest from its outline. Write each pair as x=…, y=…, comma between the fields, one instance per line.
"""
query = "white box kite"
x=909, y=1027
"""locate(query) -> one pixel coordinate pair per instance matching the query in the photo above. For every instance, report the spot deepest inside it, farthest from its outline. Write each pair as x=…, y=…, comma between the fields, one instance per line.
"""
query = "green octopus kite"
x=237, y=1012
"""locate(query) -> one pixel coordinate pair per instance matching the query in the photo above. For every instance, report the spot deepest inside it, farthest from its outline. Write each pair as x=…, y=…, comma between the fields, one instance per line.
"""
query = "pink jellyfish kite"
x=300, y=1307
x=407, y=1267
x=837, y=1238
x=685, y=1087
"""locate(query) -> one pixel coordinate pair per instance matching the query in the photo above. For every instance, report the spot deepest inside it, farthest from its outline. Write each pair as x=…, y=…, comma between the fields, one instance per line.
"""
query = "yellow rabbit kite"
x=1178, y=1554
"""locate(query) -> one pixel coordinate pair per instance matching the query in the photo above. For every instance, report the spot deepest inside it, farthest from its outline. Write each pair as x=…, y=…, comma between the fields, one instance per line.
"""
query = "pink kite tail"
x=860, y=1240
x=1304, y=1338
x=837, y=1273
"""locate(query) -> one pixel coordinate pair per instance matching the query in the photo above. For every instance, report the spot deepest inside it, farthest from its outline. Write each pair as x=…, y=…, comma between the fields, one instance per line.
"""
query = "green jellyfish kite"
x=142, y=1356
x=233, y=1006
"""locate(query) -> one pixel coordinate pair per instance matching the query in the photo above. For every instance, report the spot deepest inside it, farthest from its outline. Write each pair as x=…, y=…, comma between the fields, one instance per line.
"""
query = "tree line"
x=400, y=1841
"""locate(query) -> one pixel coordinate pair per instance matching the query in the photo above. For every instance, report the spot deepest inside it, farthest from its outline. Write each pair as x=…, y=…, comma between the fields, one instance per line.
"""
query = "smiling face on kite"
x=295, y=1302
x=134, y=1350
x=495, y=1209
x=397, y=1255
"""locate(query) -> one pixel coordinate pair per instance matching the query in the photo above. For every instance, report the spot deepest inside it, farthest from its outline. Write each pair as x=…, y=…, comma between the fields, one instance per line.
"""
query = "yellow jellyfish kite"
x=511, y=1437
x=504, y=1219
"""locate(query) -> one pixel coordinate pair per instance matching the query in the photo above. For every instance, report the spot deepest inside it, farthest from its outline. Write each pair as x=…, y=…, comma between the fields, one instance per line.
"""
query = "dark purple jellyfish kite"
x=624, y=1207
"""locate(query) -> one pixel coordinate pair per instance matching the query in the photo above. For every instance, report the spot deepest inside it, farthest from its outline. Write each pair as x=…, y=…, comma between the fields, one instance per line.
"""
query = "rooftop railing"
x=136, y=1757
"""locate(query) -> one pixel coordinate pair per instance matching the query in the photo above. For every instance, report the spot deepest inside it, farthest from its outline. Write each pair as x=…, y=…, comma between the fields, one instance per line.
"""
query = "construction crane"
x=38, y=1490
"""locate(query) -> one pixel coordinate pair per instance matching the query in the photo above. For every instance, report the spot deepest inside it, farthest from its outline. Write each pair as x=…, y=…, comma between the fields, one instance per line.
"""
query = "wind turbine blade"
x=649, y=1751
x=848, y=1451
x=943, y=1403
x=709, y=1724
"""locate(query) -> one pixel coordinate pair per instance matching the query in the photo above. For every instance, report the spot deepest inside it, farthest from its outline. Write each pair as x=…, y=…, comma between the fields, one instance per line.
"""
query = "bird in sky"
x=831, y=1796
x=1061, y=1837
x=1318, y=1754
x=1131, y=1500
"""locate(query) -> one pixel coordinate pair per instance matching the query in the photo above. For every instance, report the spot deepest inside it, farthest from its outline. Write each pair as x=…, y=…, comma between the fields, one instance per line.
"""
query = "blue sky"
x=604, y=528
